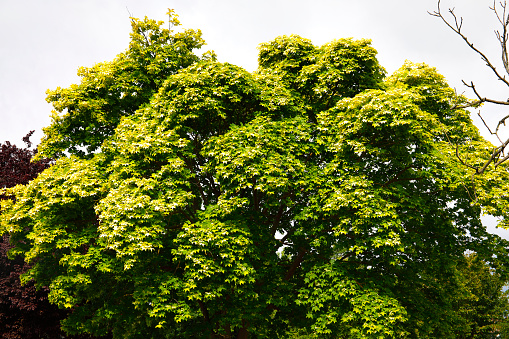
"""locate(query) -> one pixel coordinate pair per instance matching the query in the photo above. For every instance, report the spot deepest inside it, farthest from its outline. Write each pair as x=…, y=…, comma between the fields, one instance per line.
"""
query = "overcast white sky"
x=44, y=42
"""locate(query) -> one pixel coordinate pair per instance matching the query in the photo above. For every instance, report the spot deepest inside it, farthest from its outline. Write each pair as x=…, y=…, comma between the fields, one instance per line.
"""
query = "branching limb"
x=457, y=26
x=502, y=37
x=498, y=155
x=494, y=158
x=482, y=99
x=488, y=127
x=501, y=122
x=295, y=264
x=458, y=155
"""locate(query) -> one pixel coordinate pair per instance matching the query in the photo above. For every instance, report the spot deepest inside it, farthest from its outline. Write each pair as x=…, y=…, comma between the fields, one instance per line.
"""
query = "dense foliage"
x=24, y=312
x=315, y=195
x=485, y=305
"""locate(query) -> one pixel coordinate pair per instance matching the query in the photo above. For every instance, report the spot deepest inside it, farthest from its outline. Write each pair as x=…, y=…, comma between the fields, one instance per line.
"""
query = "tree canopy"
x=191, y=198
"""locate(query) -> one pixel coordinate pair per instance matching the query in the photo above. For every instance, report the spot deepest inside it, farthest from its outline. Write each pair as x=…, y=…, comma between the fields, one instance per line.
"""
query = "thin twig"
x=457, y=29
x=498, y=155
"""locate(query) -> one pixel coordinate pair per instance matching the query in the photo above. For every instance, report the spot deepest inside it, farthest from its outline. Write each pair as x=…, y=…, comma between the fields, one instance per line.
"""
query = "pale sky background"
x=44, y=42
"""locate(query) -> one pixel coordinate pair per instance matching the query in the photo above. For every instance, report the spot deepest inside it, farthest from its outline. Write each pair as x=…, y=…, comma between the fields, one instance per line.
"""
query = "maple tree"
x=191, y=198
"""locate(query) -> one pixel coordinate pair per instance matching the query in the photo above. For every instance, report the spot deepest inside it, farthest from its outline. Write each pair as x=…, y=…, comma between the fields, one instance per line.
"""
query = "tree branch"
x=204, y=310
x=280, y=212
x=498, y=155
x=481, y=98
x=397, y=177
x=295, y=264
x=457, y=29
x=502, y=38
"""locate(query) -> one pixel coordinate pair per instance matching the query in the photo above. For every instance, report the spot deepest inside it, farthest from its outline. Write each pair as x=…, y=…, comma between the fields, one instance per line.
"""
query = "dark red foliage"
x=25, y=313
x=15, y=165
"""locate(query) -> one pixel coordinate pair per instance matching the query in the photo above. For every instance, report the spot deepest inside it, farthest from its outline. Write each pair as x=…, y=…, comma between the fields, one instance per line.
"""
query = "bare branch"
x=501, y=122
x=130, y=15
x=502, y=160
x=502, y=38
x=488, y=127
x=481, y=98
x=498, y=155
x=457, y=29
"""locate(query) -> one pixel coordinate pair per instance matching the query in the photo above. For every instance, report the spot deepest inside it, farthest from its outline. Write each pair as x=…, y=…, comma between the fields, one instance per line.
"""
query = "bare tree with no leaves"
x=500, y=153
